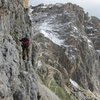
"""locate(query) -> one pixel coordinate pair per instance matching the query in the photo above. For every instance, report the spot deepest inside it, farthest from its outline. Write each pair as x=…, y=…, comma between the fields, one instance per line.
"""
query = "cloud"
x=92, y=2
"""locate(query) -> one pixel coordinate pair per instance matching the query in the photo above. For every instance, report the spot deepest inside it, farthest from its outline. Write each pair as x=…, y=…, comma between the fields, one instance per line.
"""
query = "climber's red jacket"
x=25, y=42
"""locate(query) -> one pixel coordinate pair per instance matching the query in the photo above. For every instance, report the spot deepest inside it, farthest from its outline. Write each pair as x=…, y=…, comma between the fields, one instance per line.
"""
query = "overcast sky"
x=91, y=6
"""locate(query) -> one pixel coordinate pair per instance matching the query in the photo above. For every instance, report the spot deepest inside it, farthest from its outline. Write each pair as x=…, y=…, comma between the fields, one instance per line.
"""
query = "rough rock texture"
x=46, y=94
x=26, y=3
x=66, y=59
x=15, y=82
x=92, y=25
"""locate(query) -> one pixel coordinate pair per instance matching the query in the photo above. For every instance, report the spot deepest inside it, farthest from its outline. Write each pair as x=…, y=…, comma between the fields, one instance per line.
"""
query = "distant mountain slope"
x=66, y=52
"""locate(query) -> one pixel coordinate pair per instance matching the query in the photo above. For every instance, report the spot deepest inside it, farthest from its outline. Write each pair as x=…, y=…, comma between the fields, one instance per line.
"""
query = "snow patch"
x=74, y=83
x=89, y=27
x=88, y=41
x=30, y=10
x=45, y=26
x=53, y=38
x=39, y=64
x=98, y=51
x=72, y=57
x=75, y=28
x=46, y=29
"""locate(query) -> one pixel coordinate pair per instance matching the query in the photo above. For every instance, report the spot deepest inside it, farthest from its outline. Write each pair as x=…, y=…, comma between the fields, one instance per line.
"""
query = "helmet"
x=26, y=35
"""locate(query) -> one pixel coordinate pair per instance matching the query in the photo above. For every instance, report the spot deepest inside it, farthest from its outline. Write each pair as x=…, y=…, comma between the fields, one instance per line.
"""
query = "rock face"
x=26, y=3
x=64, y=60
x=15, y=82
x=66, y=57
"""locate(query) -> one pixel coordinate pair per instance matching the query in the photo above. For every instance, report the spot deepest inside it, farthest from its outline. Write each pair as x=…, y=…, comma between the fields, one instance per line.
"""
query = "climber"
x=25, y=47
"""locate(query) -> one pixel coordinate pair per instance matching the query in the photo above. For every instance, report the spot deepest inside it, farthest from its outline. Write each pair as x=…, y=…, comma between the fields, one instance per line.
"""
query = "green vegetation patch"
x=59, y=91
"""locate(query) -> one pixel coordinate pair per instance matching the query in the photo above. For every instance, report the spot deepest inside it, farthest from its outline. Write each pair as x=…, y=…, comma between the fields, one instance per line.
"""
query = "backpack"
x=25, y=42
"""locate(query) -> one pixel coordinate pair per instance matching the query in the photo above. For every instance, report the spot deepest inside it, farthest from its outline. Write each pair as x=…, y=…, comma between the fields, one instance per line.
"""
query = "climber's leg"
x=23, y=53
x=27, y=53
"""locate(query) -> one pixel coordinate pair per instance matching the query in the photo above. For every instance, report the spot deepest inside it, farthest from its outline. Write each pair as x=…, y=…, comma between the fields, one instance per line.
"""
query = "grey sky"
x=91, y=6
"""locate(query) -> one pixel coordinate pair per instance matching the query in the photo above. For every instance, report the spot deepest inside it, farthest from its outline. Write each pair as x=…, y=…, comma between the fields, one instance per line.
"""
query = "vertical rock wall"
x=16, y=83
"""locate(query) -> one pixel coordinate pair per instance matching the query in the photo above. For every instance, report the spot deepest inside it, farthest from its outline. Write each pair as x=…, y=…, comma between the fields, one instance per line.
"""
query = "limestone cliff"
x=15, y=82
